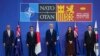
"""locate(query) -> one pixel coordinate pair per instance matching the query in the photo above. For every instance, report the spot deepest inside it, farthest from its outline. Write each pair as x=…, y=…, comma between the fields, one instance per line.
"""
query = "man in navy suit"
x=8, y=40
x=31, y=41
x=89, y=41
x=51, y=40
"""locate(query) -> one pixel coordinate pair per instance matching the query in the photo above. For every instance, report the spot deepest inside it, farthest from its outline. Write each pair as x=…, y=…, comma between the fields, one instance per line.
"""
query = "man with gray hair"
x=8, y=40
x=51, y=40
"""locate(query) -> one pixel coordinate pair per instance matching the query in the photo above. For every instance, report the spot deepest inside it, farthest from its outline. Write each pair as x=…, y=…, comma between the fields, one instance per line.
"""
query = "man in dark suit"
x=89, y=41
x=31, y=41
x=8, y=40
x=51, y=40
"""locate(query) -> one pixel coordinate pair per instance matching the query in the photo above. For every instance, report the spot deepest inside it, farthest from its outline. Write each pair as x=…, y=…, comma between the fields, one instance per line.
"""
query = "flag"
x=38, y=45
x=18, y=42
x=58, y=47
x=96, y=46
x=95, y=30
x=75, y=31
x=77, y=47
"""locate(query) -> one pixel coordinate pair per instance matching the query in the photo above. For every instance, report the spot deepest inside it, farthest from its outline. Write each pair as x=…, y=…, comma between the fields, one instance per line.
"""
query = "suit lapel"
x=30, y=35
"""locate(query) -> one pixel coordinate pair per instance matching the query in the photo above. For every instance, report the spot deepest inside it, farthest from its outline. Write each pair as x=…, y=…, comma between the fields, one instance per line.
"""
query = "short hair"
x=50, y=24
x=89, y=25
x=8, y=25
x=31, y=26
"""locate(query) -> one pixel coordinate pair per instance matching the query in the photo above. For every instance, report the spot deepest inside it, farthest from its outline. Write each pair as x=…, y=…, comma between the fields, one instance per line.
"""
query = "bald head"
x=51, y=26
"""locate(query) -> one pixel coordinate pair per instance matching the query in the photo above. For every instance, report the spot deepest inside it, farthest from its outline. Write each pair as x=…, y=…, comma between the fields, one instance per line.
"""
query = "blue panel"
x=34, y=7
x=24, y=7
x=24, y=17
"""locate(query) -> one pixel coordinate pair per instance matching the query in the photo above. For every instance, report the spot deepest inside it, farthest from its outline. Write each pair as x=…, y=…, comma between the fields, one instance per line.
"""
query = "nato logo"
x=28, y=12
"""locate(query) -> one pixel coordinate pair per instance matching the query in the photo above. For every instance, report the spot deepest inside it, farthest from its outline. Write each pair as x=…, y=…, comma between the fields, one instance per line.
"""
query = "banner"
x=61, y=12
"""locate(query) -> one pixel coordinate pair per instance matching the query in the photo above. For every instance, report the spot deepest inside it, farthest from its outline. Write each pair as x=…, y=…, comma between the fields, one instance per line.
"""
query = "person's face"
x=51, y=26
x=8, y=27
x=31, y=29
x=69, y=28
x=89, y=28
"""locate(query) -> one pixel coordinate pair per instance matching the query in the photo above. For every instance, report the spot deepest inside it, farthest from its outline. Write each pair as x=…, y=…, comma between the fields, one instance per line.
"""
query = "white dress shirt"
x=90, y=33
x=32, y=33
x=51, y=31
x=8, y=31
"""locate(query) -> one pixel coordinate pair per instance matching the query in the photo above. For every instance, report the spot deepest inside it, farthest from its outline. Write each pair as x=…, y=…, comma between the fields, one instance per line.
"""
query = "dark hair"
x=68, y=29
x=89, y=25
x=31, y=26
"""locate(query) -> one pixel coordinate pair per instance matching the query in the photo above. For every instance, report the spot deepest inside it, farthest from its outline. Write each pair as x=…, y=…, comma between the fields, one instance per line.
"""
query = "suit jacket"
x=31, y=40
x=51, y=38
x=90, y=39
x=8, y=40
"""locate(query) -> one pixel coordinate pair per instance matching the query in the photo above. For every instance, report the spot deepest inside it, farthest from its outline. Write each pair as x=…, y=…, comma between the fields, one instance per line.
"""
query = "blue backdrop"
x=10, y=14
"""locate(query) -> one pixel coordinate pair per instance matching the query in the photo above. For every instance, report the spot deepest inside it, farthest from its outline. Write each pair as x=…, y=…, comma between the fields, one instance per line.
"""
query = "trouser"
x=8, y=50
x=75, y=46
x=17, y=51
x=32, y=51
x=90, y=50
x=51, y=50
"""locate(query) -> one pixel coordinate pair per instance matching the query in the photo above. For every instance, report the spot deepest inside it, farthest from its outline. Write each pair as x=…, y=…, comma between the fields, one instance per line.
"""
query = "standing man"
x=51, y=40
x=89, y=41
x=8, y=40
x=31, y=41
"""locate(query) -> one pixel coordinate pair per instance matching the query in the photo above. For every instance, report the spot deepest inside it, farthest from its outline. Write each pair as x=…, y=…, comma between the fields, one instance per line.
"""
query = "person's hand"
x=15, y=46
x=27, y=45
x=55, y=43
x=46, y=43
x=70, y=42
x=12, y=44
x=84, y=44
x=4, y=44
